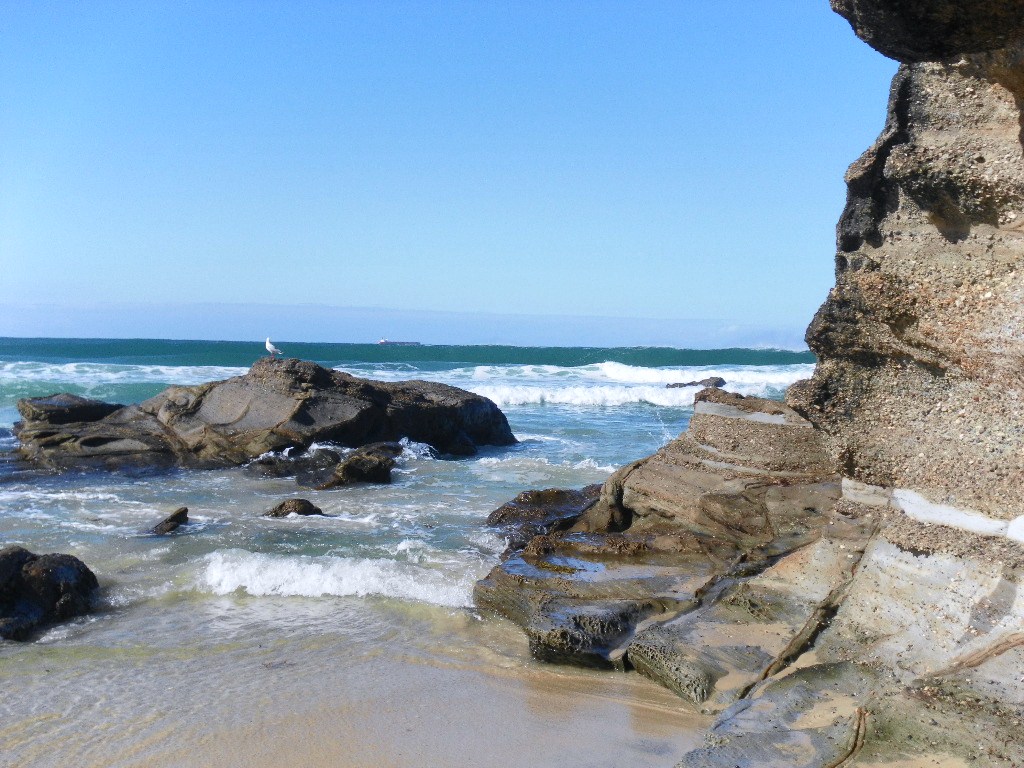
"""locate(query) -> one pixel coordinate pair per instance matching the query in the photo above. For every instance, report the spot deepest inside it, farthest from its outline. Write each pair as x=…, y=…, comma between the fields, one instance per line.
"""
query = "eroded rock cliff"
x=883, y=624
x=920, y=381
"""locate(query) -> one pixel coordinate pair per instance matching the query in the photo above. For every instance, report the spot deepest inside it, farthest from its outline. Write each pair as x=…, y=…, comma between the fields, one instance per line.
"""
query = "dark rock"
x=370, y=464
x=294, y=506
x=178, y=518
x=278, y=404
x=309, y=463
x=64, y=408
x=930, y=30
x=711, y=381
x=40, y=589
x=533, y=513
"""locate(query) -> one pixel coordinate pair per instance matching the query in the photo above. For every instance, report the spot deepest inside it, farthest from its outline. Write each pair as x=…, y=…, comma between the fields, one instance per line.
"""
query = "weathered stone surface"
x=370, y=464
x=755, y=627
x=172, y=522
x=747, y=470
x=294, y=507
x=579, y=597
x=812, y=718
x=278, y=404
x=929, y=30
x=41, y=589
x=537, y=512
x=919, y=344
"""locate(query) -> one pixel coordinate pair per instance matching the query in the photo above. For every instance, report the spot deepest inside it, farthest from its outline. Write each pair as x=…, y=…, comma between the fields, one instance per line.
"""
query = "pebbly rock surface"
x=278, y=404
x=919, y=344
x=929, y=30
x=41, y=589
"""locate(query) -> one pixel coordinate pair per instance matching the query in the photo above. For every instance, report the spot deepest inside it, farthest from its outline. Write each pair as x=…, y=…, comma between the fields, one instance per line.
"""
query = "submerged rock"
x=370, y=464
x=307, y=463
x=40, y=589
x=294, y=507
x=171, y=523
x=278, y=404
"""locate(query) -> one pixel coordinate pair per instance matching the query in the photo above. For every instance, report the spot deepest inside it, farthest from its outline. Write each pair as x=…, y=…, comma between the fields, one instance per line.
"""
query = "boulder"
x=370, y=464
x=40, y=589
x=171, y=523
x=294, y=507
x=277, y=405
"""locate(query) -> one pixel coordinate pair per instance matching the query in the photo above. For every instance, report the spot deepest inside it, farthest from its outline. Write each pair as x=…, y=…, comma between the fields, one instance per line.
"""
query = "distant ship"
x=400, y=343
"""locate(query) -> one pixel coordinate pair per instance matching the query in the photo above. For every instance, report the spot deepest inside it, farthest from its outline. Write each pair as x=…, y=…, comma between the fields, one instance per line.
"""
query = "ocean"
x=230, y=642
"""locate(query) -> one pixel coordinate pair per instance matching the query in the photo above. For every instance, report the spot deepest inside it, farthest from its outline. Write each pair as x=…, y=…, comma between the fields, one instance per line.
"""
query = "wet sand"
x=386, y=685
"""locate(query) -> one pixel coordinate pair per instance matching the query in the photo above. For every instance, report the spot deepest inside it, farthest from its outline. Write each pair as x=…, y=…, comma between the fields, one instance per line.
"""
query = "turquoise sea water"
x=387, y=559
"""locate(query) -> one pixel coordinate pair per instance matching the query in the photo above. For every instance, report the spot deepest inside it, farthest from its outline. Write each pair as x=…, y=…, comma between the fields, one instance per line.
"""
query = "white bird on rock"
x=272, y=349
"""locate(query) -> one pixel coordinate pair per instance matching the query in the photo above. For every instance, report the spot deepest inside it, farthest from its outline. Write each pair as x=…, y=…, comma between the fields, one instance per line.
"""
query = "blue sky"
x=674, y=161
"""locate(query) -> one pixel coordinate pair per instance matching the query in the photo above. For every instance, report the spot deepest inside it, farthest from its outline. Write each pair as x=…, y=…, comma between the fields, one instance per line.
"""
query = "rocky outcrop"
x=921, y=342
x=711, y=381
x=746, y=484
x=820, y=630
x=40, y=589
x=882, y=625
x=277, y=405
x=930, y=30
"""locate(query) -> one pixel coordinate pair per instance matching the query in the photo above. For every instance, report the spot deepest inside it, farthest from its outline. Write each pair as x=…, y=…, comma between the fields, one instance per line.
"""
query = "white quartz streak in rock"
x=919, y=508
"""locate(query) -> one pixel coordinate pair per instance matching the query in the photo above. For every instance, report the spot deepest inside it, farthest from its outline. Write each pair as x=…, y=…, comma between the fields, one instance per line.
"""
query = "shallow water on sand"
x=348, y=640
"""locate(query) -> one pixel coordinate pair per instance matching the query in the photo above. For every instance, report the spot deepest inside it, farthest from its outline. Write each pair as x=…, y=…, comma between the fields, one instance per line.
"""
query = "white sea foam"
x=90, y=374
x=229, y=571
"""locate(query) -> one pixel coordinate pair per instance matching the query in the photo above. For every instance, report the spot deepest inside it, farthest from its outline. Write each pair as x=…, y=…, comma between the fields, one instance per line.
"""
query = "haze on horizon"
x=558, y=172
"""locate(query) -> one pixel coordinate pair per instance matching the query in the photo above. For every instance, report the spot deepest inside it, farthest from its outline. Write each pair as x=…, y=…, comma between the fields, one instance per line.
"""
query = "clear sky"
x=675, y=161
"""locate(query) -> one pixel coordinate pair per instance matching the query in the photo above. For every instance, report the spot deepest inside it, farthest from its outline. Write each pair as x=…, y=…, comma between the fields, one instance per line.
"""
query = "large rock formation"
x=920, y=380
x=882, y=626
x=278, y=404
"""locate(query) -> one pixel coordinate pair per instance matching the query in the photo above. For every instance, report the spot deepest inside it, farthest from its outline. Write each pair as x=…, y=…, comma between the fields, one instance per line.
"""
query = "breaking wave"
x=229, y=571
